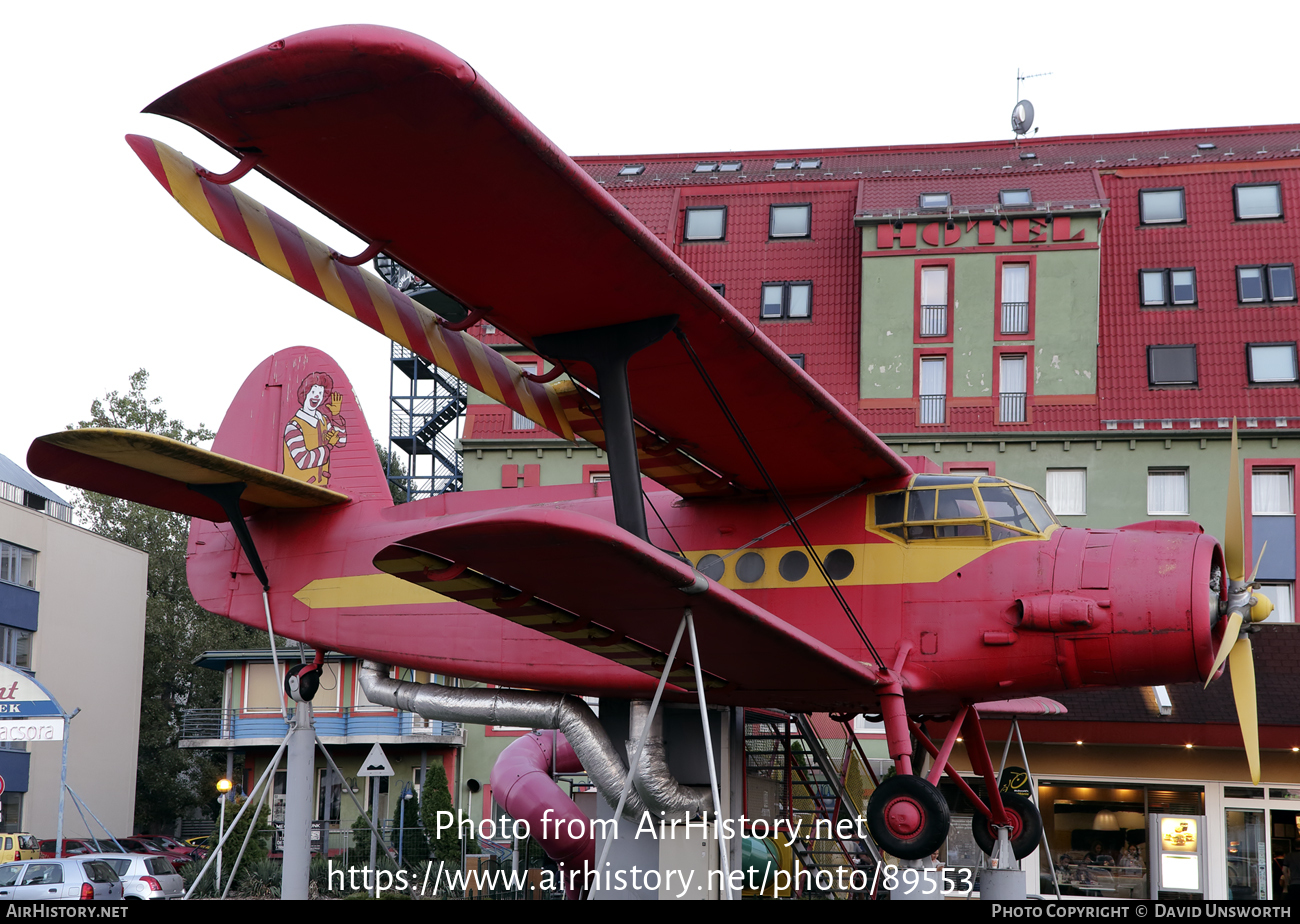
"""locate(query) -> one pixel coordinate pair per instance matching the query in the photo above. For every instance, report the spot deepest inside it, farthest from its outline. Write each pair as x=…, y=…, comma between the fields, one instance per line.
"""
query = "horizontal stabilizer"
x=603, y=579
x=151, y=469
x=1029, y=705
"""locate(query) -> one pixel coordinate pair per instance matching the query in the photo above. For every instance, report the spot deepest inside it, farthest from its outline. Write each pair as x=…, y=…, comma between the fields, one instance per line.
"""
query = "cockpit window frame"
x=992, y=529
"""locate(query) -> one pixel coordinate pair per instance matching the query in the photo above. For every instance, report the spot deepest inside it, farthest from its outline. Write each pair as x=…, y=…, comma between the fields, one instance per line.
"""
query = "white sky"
x=110, y=275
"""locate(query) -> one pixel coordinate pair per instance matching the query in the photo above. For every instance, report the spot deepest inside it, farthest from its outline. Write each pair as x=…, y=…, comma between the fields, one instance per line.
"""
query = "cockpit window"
x=956, y=506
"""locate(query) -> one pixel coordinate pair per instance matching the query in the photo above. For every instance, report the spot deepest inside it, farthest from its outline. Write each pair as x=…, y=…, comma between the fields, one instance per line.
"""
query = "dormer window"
x=632, y=170
x=936, y=200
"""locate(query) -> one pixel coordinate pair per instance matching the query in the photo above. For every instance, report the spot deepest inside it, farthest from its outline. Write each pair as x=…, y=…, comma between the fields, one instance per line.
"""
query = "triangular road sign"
x=376, y=763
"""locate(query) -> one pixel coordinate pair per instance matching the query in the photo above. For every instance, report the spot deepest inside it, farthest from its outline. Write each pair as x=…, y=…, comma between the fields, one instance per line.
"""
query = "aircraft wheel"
x=1026, y=827
x=908, y=817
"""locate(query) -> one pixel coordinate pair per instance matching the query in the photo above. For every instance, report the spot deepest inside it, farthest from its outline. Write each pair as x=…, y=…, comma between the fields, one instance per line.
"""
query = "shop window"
x=1167, y=492
x=1171, y=365
x=789, y=221
x=1162, y=206
x=1257, y=200
x=1270, y=363
x=1067, y=491
x=706, y=224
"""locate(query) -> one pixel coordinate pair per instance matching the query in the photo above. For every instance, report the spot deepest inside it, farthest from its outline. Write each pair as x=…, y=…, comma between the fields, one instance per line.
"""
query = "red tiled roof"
x=1268, y=142
x=882, y=193
x=1215, y=244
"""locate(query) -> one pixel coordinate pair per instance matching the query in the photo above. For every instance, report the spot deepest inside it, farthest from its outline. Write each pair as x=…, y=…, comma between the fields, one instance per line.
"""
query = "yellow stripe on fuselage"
x=365, y=590
x=925, y=562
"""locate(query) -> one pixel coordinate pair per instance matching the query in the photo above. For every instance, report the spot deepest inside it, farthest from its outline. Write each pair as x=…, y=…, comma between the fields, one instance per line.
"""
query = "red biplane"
x=825, y=573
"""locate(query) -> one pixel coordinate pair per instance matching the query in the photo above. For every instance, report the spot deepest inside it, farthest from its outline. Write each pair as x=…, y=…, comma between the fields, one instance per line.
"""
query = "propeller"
x=1246, y=606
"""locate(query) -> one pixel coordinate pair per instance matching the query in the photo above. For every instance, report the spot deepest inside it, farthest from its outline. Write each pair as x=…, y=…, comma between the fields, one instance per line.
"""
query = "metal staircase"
x=821, y=776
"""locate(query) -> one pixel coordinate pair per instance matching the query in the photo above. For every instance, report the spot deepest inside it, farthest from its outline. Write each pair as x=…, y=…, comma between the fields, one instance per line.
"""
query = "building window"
x=1282, y=596
x=1011, y=387
x=706, y=224
x=1171, y=365
x=729, y=166
x=810, y=163
x=1015, y=197
x=786, y=164
x=934, y=301
x=790, y=221
x=1166, y=492
x=1271, y=362
x=16, y=648
x=786, y=300
x=1162, y=206
x=936, y=200
x=17, y=565
x=632, y=170
x=1067, y=491
x=797, y=359
x=1168, y=287
x=934, y=387
x=1257, y=200
x=1259, y=284
x=706, y=168
x=519, y=421
x=1015, y=298
x=720, y=288
x=1271, y=494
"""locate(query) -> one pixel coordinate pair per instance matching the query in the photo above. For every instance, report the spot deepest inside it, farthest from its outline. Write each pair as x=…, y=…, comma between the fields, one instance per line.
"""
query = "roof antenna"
x=1022, y=116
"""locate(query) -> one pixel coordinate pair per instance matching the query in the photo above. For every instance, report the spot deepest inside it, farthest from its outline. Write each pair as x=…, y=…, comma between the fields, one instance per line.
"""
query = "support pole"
x=708, y=753
x=298, y=805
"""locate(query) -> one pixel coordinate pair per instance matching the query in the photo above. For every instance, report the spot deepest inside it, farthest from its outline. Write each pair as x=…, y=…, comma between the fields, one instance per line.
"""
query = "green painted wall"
x=561, y=460
x=1117, y=471
x=1065, y=329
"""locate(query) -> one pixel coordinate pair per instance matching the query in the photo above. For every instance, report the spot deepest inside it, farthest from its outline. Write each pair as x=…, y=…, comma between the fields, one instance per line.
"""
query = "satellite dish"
x=1022, y=117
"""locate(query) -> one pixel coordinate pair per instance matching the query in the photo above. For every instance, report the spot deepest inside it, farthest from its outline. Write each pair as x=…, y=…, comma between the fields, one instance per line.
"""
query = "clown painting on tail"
x=316, y=430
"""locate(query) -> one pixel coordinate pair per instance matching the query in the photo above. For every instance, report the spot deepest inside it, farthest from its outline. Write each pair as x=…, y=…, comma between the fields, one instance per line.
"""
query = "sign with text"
x=35, y=729
x=22, y=697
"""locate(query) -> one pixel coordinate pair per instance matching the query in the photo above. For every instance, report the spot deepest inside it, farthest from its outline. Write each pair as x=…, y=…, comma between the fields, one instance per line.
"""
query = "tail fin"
x=296, y=414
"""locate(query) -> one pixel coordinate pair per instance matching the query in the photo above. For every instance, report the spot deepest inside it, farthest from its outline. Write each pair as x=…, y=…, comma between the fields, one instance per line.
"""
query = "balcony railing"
x=932, y=409
x=1015, y=317
x=934, y=320
x=234, y=723
x=1011, y=407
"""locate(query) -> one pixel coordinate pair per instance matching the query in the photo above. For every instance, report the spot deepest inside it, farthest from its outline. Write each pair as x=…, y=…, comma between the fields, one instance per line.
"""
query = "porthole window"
x=793, y=566
x=839, y=564
x=750, y=567
x=711, y=566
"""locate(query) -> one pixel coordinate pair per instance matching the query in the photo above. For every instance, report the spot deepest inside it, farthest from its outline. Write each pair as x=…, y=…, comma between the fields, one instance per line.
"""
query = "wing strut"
x=227, y=495
x=607, y=350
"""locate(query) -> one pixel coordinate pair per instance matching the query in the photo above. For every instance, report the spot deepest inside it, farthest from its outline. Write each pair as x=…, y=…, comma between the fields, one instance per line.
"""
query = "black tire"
x=908, y=817
x=1026, y=827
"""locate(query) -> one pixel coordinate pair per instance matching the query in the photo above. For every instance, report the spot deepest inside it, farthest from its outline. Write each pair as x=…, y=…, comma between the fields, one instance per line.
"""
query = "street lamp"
x=407, y=794
x=223, y=787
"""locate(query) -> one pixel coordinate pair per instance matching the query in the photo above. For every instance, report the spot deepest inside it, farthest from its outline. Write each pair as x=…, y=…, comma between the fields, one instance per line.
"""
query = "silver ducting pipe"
x=659, y=790
x=480, y=706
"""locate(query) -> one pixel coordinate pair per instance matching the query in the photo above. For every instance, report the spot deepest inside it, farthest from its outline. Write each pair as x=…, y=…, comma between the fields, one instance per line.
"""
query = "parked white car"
x=144, y=876
x=59, y=878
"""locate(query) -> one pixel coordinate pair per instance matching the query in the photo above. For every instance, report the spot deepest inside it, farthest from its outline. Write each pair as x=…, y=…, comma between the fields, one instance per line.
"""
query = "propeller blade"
x=1234, y=541
x=1241, y=664
x=1230, y=633
x=1259, y=561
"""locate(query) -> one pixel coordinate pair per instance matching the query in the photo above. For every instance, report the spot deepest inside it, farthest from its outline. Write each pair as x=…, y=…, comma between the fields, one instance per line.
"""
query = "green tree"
x=394, y=468
x=169, y=780
x=435, y=798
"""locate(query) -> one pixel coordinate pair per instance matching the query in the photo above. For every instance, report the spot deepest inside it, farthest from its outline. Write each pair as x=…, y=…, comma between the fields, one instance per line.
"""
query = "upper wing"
x=391, y=135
